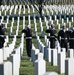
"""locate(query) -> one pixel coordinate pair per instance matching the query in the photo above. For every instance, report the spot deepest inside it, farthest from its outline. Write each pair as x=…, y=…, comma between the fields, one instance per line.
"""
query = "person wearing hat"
x=52, y=37
x=63, y=37
x=2, y=33
x=28, y=33
x=71, y=38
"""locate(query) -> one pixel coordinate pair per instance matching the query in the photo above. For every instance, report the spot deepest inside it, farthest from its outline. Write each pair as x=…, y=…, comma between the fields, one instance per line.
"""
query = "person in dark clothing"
x=63, y=37
x=28, y=33
x=1, y=2
x=40, y=10
x=52, y=37
x=71, y=38
x=2, y=33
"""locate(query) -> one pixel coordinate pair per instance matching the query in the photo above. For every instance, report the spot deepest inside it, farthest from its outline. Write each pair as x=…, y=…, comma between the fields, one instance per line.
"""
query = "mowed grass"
x=27, y=67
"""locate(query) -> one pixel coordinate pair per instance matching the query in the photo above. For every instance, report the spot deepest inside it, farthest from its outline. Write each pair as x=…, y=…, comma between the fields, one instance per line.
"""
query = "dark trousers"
x=29, y=46
x=52, y=43
x=71, y=44
x=2, y=42
x=64, y=44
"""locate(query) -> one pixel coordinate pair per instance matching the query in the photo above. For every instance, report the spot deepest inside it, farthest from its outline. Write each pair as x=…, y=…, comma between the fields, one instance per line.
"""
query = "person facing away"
x=28, y=33
x=2, y=33
x=71, y=38
x=52, y=37
x=63, y=37
x=40, y=10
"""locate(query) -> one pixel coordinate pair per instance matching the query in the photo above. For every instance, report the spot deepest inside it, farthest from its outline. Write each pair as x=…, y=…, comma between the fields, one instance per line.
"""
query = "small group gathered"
x=65, y=36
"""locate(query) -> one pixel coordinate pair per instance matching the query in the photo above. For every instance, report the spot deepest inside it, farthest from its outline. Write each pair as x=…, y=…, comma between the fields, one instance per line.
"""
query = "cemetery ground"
x=26, y=66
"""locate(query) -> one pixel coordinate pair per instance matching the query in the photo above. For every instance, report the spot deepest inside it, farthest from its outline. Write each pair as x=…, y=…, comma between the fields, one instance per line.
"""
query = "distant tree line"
x=38, y=2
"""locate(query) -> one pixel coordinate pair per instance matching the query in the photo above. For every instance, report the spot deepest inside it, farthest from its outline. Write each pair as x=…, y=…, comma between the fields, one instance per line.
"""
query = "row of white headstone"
x=57, y=21
x=60, y=1
x=51, y=20
x=53, y=58
x=12, y=24
x=62, y=9
x=62, y=59
x=12, y=66
x=56, y=56
x=39, y=63
x=13, y=9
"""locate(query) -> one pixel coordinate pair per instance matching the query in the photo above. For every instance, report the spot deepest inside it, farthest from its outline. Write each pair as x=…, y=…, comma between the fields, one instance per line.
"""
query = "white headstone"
x=18, y=51
x=69, y=66
x=70, y=53
x=57, y=22
x=49, y=44
x=15, y=65
x=67, y=20
x=1, y=55
x=69, y=24
x=39, y=56
x=6, y=68
x=42, y=49
x=72, y=19
x=61, y=62
x=45, y=52
x=50, y=73
x=58, y=26
x=34, y=52
x=49, y=54
x=40, y=67
x=6, y=53
x=54, y=57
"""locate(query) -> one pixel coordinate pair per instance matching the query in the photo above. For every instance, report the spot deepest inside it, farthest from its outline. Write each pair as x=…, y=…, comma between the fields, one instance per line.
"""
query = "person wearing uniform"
x=71, y=38
x=28, y=33
x=2, y=33
x=63, y=37
x=1, y=2
x=52, y=37
x=40, y=10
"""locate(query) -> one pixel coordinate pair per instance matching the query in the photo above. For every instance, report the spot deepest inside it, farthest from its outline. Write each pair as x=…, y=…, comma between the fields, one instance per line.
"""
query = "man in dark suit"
x=2, y=33
x=1, y=2
x=28, y=33
x=52, y=36
x=71, y=38
x=63, y=37
x=40, y=10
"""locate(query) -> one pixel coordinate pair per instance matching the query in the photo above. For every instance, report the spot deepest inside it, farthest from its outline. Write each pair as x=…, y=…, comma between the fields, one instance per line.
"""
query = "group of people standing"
x=64, y=36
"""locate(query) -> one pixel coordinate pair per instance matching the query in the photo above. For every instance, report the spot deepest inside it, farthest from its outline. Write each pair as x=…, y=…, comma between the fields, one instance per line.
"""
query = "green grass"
x=26, y=66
